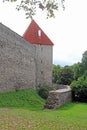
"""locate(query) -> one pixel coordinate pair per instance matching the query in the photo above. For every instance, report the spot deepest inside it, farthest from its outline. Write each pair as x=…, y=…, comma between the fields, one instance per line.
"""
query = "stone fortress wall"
x=22, y=64
x=58, y=97
x=26, y=65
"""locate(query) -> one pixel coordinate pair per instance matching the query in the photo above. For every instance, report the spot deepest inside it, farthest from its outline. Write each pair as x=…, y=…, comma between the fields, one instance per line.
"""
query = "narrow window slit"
x=39, y=33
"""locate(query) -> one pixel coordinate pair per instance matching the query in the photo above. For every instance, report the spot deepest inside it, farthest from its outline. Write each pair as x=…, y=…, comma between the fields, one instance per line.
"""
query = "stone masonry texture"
x=22, y=64
x=58, y=97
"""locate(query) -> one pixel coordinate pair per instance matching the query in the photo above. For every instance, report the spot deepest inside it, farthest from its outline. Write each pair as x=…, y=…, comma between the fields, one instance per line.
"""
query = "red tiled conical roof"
x=35, y=35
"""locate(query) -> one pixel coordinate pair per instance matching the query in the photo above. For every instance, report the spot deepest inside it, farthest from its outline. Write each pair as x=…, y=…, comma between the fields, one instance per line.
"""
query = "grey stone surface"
x=43, y=64
x=58, y=97
x=22, y=64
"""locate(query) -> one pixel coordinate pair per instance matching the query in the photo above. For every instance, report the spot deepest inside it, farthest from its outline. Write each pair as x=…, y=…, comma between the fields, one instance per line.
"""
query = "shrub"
x=43, y=91
x=79, y=89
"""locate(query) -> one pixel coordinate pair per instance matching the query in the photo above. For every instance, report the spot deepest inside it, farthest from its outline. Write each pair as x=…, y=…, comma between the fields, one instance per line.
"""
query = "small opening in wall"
x=39, y=33
x=41, y=61
x=41, y=72
x=41, y=48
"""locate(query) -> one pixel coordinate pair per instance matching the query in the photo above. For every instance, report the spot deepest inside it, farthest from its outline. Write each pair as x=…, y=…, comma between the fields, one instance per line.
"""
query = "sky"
x=68, y=30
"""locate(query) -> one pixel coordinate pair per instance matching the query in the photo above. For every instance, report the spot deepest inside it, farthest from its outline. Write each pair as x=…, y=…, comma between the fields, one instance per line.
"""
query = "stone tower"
x=43, y=51
x=25, y=62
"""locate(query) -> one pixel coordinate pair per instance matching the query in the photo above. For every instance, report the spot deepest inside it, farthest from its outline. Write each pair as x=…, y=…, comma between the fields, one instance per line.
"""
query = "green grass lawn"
x=27, y=98
x=32, y=116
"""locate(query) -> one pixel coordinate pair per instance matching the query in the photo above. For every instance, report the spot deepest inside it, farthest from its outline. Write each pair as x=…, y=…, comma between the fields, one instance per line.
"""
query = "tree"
x=79, y=84
x=84, y=60
x=77, y=70
x=65, y=75
x=79, y=89
x=56, y=69
x=30, y=6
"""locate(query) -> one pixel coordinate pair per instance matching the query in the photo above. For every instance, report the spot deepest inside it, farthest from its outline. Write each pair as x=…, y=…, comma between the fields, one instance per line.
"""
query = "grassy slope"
x=23, y=98
x=71, y=116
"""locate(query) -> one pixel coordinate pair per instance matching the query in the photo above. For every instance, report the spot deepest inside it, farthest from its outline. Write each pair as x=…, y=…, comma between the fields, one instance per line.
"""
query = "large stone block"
x=58, y=97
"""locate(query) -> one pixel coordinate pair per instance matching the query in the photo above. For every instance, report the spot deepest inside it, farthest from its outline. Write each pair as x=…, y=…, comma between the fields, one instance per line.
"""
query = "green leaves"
x=62, y=75
x=84, y=60
x=10, y=0
x=51, y=6
x=43, y=91
x=79, y=89
x=30, y=6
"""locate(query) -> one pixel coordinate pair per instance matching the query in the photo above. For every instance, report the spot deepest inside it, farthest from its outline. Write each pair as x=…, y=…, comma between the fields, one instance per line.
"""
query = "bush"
x=79, y=89
x=43, y=91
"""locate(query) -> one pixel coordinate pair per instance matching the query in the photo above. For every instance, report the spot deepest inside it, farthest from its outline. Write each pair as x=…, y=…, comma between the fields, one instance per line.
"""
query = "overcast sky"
x=68, y=30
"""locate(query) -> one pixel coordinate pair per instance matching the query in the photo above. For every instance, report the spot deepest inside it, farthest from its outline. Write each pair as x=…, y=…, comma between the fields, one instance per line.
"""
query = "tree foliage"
x=65, y=75
x=62, y=75
x=79, y=85
x=77, y=69
x=43, y=91
x=75, y=76
x=79, y=89
x=68, y=73
x=84, y=60
x=56, y=69
x=30, y=6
